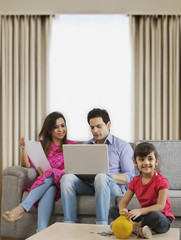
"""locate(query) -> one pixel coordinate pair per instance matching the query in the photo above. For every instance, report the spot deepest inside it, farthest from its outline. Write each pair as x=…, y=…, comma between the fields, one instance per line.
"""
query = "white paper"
x=37, y=155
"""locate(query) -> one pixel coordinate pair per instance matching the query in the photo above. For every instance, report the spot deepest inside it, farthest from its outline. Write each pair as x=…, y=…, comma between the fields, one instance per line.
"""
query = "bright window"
x=90, y=67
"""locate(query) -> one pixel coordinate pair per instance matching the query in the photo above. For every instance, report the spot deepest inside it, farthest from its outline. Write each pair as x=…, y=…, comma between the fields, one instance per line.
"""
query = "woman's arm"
x=124, y=201
x=159, y=206
x=24, y=156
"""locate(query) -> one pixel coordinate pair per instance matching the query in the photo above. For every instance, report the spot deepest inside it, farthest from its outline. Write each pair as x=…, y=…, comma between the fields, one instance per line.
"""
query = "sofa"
x=15, y=178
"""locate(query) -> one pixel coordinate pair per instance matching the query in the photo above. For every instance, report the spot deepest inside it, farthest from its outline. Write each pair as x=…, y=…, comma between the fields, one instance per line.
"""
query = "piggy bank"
x=122, y=227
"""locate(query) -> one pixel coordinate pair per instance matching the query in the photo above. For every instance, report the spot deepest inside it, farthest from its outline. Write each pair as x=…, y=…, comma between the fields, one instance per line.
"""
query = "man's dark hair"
x=97, y=112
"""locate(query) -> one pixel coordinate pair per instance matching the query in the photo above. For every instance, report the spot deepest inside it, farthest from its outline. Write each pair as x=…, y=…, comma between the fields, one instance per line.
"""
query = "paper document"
x=37, y=155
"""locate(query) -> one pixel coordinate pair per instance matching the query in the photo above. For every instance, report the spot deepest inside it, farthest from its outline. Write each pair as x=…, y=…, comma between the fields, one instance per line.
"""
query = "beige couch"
x=16, y=178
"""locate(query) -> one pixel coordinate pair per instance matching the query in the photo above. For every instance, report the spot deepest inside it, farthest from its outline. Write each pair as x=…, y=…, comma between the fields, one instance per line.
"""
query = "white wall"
x=90, y=6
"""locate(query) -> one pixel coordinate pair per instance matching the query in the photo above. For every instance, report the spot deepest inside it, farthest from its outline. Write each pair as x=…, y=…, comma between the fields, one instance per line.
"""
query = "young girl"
x=151, y=190
x=46, y=188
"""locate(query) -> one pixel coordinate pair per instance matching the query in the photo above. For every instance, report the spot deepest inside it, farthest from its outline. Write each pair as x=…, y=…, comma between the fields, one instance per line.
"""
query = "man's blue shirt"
x=120, y=158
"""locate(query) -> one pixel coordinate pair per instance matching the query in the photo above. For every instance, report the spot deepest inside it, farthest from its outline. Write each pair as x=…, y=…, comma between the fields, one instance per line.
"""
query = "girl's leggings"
x=158, y=222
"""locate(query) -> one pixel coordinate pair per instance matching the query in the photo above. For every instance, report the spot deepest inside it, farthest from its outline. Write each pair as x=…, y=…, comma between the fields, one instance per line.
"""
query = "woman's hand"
x=24, y=156
x=22, y=142
x=40, y=171
x=133, y=214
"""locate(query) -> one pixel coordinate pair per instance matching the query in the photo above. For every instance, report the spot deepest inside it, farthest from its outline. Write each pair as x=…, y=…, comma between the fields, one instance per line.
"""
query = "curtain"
x=156, y=73
x=24, y=44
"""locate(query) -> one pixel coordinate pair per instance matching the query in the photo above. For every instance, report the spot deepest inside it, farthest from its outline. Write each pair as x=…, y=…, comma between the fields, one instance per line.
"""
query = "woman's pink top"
x=56, y=161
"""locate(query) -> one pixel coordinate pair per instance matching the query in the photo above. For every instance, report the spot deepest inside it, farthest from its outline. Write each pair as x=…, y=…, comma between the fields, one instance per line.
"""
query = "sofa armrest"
x=14, y=179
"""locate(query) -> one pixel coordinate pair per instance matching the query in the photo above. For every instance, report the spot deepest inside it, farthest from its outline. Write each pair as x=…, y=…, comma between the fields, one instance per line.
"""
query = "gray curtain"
x=24, y=47
x=156, y=73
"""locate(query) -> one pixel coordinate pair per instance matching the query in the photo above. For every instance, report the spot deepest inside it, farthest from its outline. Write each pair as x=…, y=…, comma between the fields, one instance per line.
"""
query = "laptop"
x=86, y=160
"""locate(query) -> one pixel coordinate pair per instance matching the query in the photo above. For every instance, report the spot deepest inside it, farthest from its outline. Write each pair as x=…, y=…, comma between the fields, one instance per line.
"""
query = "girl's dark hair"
x=97, y=112
x=45, y=135
x=145, y=148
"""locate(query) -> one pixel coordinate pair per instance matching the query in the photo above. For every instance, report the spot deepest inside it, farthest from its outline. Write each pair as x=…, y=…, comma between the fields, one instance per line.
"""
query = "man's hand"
x=40, y=171
x=119, y=178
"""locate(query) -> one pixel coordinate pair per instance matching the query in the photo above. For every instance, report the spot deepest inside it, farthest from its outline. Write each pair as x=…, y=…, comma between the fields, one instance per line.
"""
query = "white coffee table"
x=70, y=231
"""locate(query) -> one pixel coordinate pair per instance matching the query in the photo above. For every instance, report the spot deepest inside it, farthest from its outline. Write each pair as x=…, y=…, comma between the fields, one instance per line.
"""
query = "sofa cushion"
x=175, y=199
x=170, y=152
x=85, y=205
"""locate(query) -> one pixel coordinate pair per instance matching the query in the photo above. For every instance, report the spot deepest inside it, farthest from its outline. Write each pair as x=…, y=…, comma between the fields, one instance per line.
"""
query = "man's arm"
x=126, y=166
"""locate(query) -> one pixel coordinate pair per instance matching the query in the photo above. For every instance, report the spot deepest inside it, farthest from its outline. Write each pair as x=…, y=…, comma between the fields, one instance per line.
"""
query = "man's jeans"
x=103, y=187
x=158, y=222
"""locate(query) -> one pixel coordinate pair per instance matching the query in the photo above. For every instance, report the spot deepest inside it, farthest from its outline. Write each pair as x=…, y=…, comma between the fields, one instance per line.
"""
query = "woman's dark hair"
x=45, y=134
x=145, y=148
x=97, y=112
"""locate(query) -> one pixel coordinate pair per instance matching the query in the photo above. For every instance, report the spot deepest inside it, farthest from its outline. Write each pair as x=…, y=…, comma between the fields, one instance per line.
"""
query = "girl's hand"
x=124, y=210
x=133, y=214
x=22, y=142
x=40, y=171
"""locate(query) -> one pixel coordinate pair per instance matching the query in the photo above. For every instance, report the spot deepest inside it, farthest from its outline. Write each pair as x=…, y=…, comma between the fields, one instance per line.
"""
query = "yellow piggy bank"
x=122, y=227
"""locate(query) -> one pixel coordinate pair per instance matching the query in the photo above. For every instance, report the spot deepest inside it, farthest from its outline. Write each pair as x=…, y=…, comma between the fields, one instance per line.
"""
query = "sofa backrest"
x=170, y=153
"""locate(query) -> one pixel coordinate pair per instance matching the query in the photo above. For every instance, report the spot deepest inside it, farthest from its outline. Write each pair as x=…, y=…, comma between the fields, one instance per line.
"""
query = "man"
x=104, y=186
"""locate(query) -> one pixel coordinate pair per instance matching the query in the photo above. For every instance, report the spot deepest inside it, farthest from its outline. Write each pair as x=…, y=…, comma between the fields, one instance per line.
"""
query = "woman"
x=46, y=188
